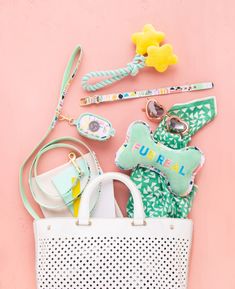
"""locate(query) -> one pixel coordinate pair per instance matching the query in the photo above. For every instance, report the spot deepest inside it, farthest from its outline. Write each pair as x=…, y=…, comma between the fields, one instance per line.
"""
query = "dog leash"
x=68, y=77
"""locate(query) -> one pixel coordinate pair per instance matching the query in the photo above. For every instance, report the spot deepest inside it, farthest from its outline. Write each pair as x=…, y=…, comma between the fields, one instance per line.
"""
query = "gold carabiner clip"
x=69, y=119
x=72, y=157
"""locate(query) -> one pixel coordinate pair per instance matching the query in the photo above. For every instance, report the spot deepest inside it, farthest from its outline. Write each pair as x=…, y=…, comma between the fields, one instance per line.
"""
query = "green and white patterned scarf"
x=157, y=199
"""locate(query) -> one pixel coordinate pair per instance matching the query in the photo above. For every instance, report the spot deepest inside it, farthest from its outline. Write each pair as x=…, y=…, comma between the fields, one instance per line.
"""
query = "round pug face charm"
x=176, y=125
x=94, y=125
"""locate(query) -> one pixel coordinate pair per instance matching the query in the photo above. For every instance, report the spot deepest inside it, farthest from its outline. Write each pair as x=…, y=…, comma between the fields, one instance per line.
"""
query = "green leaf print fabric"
x=157, y=199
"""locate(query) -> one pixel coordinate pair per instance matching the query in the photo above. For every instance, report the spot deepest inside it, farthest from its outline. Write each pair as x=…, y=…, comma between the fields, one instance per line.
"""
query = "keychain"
x=91, y=126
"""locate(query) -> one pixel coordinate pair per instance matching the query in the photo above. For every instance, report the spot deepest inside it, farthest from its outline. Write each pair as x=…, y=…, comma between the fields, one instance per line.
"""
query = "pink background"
x=37, y=38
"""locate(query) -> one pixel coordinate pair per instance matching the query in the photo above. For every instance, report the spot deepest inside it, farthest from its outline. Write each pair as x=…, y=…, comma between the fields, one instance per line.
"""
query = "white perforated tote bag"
x=118, y=253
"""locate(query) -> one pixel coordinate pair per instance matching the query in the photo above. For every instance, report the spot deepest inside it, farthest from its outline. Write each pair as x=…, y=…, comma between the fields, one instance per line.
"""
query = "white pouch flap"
x=103, y=203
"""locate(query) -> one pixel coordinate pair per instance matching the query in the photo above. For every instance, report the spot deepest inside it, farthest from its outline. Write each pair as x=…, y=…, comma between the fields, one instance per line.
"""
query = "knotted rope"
x=131, y=68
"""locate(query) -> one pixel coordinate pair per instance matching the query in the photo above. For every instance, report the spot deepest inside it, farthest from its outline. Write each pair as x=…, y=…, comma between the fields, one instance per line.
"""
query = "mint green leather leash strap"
x=69, y=75
x=67, y=79
x=24, y=198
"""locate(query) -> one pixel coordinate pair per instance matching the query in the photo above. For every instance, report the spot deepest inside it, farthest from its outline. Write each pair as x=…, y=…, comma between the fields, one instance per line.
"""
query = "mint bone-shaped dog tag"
x=179, y=167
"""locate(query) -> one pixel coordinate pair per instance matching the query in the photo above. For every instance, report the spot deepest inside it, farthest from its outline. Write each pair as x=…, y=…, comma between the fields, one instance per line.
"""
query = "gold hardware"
x=83, y=101
x=69, y=119
x=88, y=100
x=144, y=224
x=78, y=224
x=72, y=157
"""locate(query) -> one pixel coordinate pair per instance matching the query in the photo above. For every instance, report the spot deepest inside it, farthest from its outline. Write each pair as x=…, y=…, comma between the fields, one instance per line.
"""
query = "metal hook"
x=72, y=157
x=69, y=119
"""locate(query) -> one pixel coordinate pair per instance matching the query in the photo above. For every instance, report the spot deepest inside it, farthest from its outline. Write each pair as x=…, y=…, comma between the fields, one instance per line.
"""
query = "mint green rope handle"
x=67, y=79
x=132, y=69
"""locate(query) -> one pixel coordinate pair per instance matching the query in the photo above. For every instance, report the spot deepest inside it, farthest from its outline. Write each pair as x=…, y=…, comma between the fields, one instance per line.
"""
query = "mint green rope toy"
x=132, y=69
x=148, y=53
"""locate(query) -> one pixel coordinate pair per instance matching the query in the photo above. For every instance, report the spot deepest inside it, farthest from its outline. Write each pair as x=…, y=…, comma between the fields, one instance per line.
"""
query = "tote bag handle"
x=84, y=212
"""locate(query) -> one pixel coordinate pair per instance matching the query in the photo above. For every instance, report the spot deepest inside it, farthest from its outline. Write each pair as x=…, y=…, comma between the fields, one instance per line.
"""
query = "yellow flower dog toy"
x=148, y=37
x=148, y=53
x=160, y=57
